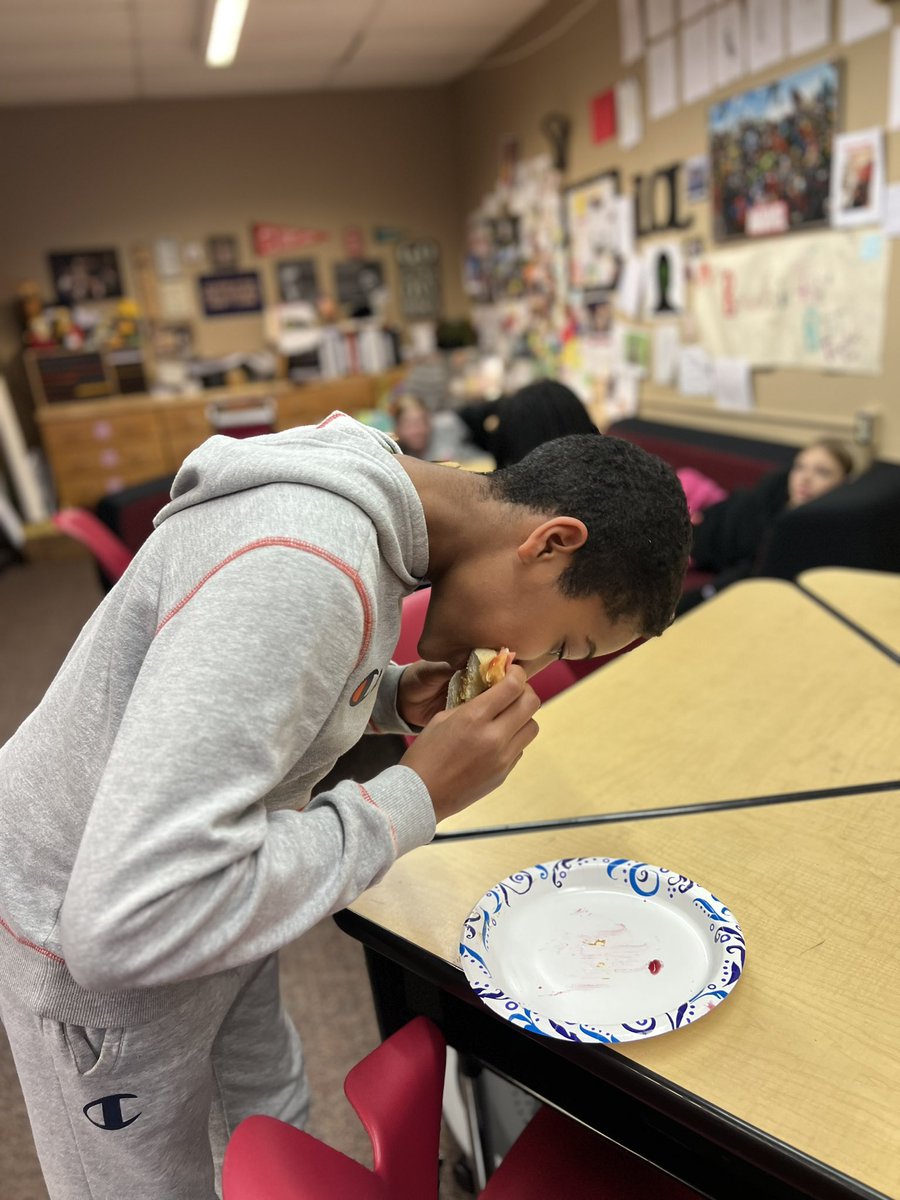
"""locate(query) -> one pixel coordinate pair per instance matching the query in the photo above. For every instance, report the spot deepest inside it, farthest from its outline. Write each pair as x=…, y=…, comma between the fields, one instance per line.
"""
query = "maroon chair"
x=110, y=552
x=396, y=1090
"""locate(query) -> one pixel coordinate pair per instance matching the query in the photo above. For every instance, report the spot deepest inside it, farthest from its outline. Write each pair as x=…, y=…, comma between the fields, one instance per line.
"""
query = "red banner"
x=279, y=239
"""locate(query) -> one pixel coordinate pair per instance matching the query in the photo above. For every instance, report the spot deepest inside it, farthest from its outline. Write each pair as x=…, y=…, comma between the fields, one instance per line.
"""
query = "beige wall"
x=116, y=175
x=563, y=75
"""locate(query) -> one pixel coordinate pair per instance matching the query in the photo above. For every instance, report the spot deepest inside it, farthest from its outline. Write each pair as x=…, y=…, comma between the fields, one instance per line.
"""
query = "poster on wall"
x=596, y=222
x=857, y=180
x=664, y=277
x=419, y=268
x=297, y=280
x=770, y=154
x=356, y=281
x=85, y=276
x=230, y=295
x=784, y=304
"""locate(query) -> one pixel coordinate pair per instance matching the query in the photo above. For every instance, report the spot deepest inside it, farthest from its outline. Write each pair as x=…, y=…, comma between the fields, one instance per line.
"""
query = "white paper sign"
x=631, y=287
x=631, y=34
x=892, y=210
x=660, y=16
x=695, y=372
x=728, y=33
x=863, y=18
x=809, y=25
x=765, y=33
x=894, y=85
x=666, y=348
x=732, y=384
x=629, y=112
x=688, y=9
x=662, y=82
x=697, y=45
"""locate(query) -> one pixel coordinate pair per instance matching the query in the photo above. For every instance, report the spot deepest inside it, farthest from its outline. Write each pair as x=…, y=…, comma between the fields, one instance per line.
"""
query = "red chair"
x=546, y=683
x=111, y=553
x=396, y=1090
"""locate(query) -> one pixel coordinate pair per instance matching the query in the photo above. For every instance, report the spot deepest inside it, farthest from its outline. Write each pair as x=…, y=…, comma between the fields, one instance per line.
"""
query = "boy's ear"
x=559, y=535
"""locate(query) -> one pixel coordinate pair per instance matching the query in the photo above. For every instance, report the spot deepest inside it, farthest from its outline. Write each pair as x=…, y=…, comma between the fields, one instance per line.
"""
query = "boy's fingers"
x=492, y=702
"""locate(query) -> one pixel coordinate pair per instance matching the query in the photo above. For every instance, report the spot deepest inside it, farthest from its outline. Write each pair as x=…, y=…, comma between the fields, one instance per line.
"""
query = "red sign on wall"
x=279, y=239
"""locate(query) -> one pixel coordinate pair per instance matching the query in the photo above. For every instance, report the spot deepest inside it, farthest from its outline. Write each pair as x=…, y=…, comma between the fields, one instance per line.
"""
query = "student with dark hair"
x=731, y=536
x=156, y=829
x=512, y=426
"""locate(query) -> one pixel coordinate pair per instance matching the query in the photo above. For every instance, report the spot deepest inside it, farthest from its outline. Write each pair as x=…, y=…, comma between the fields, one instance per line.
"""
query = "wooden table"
x=795, y=1078
x=869, y=600
x=759, y=692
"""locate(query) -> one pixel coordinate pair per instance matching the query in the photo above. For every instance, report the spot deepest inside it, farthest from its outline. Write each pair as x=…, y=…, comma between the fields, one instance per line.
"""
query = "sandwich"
x=483, y=669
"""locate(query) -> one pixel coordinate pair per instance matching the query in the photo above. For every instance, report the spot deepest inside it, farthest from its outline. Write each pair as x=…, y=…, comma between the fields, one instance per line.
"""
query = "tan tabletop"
x=760, y=691
x=806, y=1047
x=870, y=599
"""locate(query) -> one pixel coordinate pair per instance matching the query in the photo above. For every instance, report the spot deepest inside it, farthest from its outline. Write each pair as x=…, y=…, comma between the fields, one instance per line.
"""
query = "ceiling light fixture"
x=225, y=32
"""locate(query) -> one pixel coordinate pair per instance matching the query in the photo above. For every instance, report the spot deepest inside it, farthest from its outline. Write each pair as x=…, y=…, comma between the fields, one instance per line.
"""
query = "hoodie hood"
x=339, y=455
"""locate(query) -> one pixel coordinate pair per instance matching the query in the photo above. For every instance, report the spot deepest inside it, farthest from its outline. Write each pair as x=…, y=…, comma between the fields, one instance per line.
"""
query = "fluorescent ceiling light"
x=225, y=32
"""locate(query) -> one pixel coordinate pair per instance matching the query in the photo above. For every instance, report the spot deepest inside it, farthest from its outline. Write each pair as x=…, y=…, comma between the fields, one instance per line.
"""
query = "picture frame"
x=297, y=280
x=857, y=179
x=770, y=153
x=85, y=276
x=595, y=221
x=230, y=295
x=222, y=252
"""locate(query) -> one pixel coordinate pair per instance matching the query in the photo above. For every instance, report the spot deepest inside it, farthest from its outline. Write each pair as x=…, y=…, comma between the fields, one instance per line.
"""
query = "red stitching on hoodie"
x=368, y=799
x=31, y=945
x=291, y=544
x=335, y=416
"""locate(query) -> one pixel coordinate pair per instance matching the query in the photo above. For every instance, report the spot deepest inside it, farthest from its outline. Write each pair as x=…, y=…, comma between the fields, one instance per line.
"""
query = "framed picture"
x=857, y=179
x=222, y=251
x=230, y=295
x=85, y=276
x=419, y=270
x=597, y=230
x=297, y=280
x=356, y=281
x=770, y=155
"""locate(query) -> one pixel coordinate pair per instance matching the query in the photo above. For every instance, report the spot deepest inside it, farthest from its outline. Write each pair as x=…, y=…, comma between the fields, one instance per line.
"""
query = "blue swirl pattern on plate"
x=643, y=880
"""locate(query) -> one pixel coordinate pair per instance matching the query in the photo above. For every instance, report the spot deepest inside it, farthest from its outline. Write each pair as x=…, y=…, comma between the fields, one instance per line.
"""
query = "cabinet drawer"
x=110, y=456
x=99, y=431
x=178, y=421
x=310, y=404
x=83, y=489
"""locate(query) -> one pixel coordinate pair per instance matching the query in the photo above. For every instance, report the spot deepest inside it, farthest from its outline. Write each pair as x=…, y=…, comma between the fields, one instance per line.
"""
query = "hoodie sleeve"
x=182, y=871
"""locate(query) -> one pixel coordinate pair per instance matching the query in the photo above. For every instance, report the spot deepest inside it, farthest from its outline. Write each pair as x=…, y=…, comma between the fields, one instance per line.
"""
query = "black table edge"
x=882, y=647
x=679, y=810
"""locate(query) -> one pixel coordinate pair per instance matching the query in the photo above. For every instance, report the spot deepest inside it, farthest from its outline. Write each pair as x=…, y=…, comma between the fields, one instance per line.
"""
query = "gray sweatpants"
x=145, y=1111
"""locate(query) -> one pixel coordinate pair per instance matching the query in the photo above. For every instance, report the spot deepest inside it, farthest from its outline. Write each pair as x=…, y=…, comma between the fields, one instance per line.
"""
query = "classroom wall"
x=115, y=175
x=569, y=67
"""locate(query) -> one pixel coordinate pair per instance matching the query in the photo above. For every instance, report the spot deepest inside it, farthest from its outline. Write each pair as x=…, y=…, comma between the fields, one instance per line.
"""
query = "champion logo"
x=111, y=1114
x=362, y=689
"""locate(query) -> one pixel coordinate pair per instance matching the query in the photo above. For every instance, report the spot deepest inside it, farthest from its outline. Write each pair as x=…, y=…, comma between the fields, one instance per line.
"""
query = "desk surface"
x=760, y=691
x=870, y=599
x=806, y=1047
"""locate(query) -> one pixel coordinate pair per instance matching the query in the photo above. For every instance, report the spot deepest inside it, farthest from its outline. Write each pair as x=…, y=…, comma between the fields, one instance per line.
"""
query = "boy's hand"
x=422, y=691
x=467, y=752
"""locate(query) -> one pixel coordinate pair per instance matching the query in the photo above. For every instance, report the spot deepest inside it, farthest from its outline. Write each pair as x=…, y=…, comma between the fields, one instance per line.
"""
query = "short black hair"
x=639, y=530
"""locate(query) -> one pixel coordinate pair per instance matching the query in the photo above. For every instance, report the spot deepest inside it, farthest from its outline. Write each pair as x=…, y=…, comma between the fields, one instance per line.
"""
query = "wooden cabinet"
x=102, y=446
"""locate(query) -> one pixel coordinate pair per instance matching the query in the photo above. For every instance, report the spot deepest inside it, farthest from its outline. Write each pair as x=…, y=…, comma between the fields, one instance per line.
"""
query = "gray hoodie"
x=155, y=822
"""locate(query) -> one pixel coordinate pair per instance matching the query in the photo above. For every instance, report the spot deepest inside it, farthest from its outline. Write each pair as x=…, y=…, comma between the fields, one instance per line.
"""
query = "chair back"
x=412, y=621
x=397, y=1092
x=110, y=553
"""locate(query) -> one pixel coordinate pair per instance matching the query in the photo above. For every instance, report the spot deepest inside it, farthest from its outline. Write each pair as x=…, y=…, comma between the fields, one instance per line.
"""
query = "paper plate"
x=601, y=950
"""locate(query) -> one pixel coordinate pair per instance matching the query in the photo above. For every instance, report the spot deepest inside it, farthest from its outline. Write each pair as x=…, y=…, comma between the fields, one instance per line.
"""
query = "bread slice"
x=483, y=670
